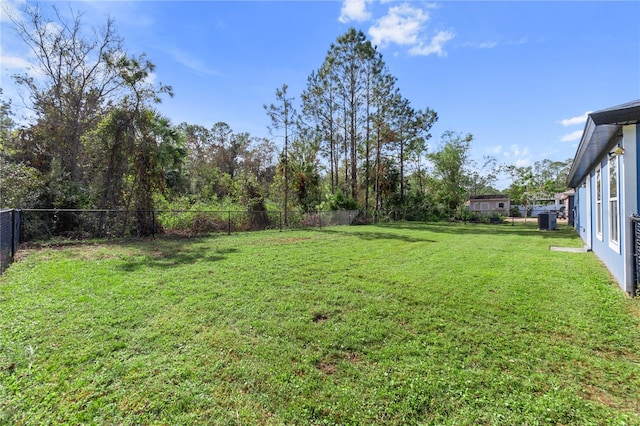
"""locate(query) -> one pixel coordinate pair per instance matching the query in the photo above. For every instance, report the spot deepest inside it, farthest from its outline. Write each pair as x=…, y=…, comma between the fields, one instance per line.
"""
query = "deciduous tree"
x=72, y=85
x=450, y=163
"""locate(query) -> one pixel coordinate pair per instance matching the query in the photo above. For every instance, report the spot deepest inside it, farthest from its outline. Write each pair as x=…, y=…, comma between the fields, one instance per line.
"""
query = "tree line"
x=350, y=140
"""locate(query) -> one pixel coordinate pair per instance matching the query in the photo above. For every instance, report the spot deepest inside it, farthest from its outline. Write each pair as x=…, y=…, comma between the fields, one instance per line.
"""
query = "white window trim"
x=598, y=184
x=613, y=244
x=587, y=227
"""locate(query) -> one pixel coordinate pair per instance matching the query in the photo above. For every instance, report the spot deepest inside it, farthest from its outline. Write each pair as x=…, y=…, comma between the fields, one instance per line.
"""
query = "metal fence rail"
x=42, y=225
x=9, y=236
x=47, y=224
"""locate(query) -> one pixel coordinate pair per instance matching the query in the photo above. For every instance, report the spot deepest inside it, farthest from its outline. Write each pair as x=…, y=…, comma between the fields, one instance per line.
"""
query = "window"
x=614, y=224
x=599, y=203
x=501, y=205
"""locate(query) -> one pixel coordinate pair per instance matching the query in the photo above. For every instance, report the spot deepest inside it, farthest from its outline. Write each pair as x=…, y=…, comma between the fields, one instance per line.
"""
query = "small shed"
x=489, y=204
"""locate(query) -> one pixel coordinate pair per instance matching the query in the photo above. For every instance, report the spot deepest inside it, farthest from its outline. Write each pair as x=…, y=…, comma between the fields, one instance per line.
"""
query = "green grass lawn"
x=390, y=324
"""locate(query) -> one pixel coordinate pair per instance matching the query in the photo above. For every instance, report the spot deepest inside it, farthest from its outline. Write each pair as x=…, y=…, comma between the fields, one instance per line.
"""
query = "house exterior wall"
x=600, y=242
x=618, y=257
x=631, y=195
x=581, y=207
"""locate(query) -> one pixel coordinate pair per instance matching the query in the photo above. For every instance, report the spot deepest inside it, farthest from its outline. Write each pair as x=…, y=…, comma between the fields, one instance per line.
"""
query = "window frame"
x=613, y=170
x=598, y=198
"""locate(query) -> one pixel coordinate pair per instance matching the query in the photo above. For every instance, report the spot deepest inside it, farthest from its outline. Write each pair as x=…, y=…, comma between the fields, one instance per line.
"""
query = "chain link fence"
x=9, y=236
x=44, y=224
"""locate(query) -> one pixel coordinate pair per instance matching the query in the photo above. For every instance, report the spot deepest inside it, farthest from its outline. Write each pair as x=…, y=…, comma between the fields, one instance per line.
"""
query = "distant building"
x=566, y=199
x=489, y=204
x=535, y=209
x=605, y=177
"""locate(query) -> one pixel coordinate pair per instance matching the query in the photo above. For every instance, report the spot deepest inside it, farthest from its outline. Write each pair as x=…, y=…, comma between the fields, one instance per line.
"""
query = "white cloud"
x=487, y=45
x=573, y=136
x=581, y=119
x=9, y=10
x=190, y=62
x=519, y=157
x=402, y=25
x=15, y=62
x=18, y=64
x=435, y=46
x=125, y=13
x=518, y=42
x=494, y=150
x=480, y=45
x=151, y=79
x=354, y=10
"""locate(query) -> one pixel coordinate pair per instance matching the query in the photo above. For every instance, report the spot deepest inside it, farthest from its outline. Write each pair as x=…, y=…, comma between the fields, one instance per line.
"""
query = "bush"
x=338, y=201
x=205, y=222
x=496, y=218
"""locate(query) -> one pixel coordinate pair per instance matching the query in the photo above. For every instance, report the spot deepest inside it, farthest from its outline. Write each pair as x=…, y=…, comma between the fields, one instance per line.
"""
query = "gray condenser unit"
x=546, y=221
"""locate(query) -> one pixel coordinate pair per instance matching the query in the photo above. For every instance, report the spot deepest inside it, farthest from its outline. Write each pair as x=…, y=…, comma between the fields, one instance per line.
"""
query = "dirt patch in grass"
x=596, y=394
x=329, y=365
x=79, y=250
x=327, y=368
x=320, y=317
x=22, y=254
x=288, y=240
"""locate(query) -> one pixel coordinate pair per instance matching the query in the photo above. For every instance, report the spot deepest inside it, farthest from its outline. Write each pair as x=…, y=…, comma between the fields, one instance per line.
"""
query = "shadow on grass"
x=171, y=252
x=458, y=228
x=370, y=236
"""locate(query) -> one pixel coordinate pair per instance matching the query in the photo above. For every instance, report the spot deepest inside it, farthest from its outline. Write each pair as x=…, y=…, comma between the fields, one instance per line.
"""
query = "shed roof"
x=600, y=127
x=489, y=197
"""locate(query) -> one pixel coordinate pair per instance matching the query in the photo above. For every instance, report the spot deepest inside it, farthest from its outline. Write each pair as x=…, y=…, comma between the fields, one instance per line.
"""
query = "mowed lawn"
x=390, y=324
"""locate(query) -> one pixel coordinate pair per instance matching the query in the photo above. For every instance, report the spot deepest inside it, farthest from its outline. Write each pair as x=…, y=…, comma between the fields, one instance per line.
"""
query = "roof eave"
x=600, y=127
x=595, y=145
x=576, y=173
x=628, y=113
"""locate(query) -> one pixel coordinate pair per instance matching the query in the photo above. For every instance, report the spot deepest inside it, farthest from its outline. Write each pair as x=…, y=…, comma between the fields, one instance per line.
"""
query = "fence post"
x=13, y=232
x=21, y=240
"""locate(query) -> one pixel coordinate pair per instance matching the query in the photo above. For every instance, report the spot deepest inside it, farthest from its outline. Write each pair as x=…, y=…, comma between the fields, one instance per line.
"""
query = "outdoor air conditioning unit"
x=546, y=221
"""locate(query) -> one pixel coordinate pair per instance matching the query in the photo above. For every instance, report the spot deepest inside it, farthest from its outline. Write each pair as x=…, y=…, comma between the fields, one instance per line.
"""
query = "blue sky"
x=519, y=76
